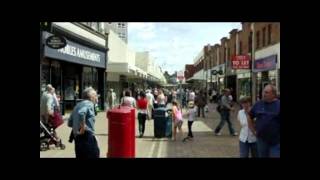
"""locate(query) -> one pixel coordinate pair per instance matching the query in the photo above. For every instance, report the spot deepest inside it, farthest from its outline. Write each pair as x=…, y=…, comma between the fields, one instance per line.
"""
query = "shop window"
x=87, y=77
x=56, y=77
x=95, y=78
x=45, y=74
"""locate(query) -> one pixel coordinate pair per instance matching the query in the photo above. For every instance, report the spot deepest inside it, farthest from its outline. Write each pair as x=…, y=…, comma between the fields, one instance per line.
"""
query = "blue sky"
x=175, y=44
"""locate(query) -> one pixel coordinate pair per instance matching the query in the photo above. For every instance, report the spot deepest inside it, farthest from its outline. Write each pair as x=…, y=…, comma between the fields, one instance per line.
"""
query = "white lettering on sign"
x=81, y=53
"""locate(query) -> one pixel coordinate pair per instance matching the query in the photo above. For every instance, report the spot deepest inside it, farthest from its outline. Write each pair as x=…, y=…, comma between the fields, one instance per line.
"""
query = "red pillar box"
x=121, y=139
x=132, y=129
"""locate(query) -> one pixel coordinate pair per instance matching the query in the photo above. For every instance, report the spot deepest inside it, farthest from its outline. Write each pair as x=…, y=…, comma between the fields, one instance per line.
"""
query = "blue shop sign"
x=265, y=64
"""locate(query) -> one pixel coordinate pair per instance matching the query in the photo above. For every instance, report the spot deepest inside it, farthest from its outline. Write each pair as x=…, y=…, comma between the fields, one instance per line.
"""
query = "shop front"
x=266, y=69
x=243, y=84
x=71, y=69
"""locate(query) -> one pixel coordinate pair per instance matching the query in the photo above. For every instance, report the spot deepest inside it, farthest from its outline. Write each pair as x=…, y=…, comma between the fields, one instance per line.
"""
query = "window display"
x=244, y=87
x=69, y=89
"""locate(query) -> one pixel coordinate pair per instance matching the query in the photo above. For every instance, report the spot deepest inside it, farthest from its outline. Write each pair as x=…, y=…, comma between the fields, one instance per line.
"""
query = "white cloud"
x=175, y=44
x=142, y=31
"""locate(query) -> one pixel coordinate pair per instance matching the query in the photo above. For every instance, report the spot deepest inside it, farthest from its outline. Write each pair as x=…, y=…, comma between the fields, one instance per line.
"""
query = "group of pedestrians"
x=260, y=124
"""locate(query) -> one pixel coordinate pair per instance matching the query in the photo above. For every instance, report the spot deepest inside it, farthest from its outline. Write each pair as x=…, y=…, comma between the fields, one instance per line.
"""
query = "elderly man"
x=47, y=104
x=267, y=123
x=82, y=121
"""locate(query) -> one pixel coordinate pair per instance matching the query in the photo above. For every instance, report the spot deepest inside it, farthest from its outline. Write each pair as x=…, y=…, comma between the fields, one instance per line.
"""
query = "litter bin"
x=121, y=129
x=168, y=130
x=162, y=123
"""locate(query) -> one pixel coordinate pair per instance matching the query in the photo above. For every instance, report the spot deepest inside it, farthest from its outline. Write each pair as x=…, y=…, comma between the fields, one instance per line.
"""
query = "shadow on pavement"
x=101, y=134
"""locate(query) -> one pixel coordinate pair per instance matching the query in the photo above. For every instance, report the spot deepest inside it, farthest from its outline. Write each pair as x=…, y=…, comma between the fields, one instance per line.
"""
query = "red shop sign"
x=241, y=62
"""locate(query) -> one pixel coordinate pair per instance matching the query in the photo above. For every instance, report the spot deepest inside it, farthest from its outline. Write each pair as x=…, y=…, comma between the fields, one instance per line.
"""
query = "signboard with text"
x=74, y=52
x=241, y=62
x=56, y=42
x=265, y=64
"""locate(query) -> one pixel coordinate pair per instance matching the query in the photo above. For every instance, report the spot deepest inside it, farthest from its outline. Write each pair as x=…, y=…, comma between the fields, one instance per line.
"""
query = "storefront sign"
x=215, y=72
x=77, y=53
x=241, y=62
x=56, y=42
x=265, y=64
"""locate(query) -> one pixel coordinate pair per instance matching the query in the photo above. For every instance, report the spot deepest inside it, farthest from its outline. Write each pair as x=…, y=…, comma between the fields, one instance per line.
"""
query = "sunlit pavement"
x=204, y=144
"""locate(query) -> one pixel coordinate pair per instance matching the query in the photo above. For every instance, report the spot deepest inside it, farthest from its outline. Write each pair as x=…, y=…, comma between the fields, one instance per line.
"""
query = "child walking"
x=192, y=110
x=177, y=118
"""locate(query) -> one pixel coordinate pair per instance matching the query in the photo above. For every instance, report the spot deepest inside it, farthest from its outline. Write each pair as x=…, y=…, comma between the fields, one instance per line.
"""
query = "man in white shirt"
x=150, y=99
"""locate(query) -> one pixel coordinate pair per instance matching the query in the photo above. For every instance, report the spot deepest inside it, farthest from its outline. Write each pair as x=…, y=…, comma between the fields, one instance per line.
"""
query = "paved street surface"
x=205, y=143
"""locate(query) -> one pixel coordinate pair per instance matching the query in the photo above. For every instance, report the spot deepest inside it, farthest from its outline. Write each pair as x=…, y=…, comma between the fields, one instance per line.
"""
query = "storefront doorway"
x=71, y=84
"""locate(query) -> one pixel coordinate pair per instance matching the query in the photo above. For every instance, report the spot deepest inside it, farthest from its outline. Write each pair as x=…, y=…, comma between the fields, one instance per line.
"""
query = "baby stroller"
x=47, y=137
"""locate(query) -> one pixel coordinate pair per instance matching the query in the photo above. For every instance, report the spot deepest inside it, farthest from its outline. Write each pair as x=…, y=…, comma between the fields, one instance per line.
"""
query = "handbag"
x=56, y=120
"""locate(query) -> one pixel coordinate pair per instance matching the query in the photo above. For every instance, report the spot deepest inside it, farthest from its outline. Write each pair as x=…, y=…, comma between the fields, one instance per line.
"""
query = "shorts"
x=178, y=124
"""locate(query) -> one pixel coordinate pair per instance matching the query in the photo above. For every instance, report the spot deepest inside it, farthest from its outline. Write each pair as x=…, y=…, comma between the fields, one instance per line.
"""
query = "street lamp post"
x=253, y=75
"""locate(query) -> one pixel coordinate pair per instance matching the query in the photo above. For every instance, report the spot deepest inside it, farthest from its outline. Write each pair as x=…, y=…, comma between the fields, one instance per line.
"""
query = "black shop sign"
x=75, y=53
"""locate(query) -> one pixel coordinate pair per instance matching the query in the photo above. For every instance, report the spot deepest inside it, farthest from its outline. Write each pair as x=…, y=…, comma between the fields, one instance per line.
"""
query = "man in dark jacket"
x=201, y=103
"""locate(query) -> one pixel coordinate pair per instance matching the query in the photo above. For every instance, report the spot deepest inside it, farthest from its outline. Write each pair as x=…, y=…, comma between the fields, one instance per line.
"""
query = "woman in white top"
x=247, y=137
x=127, y=100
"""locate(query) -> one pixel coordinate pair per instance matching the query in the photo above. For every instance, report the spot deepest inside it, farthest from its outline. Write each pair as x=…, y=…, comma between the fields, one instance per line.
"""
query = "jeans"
x=225, y=116
x=267, y=150
x=201, y=109
x=189, y=129
x=86, y=146
x=246, y=147
x=142, y=122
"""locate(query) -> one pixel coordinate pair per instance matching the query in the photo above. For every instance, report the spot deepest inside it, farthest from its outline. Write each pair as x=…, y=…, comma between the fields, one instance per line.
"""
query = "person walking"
x=200, y=101
x=111, y=98
x=191, y=113
x=177, y=119
x=142, y=104
x=151, y=100
x=225, y=114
